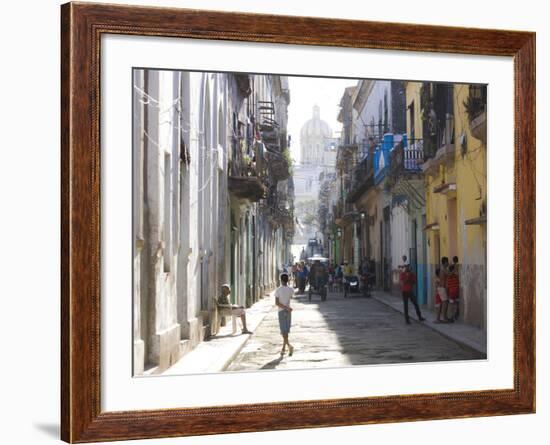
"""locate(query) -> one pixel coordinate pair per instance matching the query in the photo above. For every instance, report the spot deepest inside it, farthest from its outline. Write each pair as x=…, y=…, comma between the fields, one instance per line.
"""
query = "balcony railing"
x=362, y=179
x=445, y=153
x=249, y=188
x=279, y=167
x=394, y=155
x=247, y=172
x=270, y=134
x=281, y=217
x=407, y=157
x=382, y=156
x=246, y=161
x=343, y=211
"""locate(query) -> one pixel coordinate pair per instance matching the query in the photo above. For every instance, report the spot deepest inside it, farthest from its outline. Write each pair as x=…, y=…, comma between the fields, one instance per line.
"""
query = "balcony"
x=405, y=178
x=344, y=211
x=476, y=107
x=445, y=155
x=247, y=173
x=407, y=159
x=281, y=218
x=269, y=128
x=345, y=156
x=480, y=220
x=279, y=167
x=274, y=141
x=362, y=179
x=478, y=127
x=249, y=188
x=243, y=84
x=270, y=134
x=382, y=158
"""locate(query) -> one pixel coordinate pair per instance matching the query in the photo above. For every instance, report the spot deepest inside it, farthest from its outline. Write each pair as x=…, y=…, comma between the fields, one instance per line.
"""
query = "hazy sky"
x=305, y=92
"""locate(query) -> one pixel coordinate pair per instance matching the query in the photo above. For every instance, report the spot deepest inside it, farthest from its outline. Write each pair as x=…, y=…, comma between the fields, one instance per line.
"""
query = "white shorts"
x=237, y=311
x=442, y=293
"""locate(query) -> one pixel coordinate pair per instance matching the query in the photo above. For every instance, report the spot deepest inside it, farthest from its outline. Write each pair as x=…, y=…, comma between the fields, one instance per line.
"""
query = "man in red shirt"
x=408, y=280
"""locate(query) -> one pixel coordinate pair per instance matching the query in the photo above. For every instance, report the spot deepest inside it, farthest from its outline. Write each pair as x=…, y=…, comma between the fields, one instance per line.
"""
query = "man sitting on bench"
x=238, y=311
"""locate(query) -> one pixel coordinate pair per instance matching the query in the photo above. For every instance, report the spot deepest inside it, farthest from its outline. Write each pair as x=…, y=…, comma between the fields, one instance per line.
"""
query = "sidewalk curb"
x=238, y=350
x=209, y=358
x=443, y=333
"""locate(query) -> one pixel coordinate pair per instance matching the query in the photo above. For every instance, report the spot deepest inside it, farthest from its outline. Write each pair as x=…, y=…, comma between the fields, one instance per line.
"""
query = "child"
x=453, y=290
x=283, y=294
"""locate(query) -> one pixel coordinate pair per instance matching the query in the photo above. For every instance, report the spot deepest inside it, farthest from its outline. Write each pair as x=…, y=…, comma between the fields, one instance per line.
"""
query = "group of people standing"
x=300, y=274
x=447, y=290
x=317, y=274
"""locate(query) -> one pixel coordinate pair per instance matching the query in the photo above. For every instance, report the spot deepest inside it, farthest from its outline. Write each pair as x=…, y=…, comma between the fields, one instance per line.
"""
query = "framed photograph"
x=274, y=222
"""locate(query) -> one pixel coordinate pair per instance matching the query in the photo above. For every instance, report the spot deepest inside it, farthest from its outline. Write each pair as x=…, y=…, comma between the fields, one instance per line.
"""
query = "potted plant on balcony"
x=247, y=161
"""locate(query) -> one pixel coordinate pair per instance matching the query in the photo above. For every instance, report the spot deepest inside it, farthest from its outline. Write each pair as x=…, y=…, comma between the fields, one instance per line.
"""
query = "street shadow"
x=49, y=429
x=273, y=363
x=369, y=332
x=218, y=337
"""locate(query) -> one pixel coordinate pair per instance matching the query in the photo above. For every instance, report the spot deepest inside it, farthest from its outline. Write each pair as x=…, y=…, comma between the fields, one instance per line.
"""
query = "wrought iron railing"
x=246, y=161
x=407, y=157
x=361, y=178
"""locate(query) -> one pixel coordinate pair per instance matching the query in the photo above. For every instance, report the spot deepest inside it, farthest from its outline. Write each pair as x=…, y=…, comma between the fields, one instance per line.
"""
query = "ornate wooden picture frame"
x=82, y=26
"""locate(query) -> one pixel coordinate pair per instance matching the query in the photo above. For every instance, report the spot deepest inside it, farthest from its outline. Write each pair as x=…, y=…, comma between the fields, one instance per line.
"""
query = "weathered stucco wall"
x=468, y=242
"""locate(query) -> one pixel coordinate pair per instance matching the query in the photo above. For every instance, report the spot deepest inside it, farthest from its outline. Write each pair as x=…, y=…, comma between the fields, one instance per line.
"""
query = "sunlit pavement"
x=344, y=332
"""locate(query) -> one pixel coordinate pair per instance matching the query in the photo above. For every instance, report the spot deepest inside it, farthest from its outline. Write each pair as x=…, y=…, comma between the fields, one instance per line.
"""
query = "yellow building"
x=454, y=137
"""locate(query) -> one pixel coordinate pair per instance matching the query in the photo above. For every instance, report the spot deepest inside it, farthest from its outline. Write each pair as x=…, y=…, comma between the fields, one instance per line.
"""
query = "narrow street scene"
x=284, y=222
x=346, y=332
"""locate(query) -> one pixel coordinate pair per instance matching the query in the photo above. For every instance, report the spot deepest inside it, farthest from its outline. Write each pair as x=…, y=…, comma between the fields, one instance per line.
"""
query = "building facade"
x=374, y=222
x=411, y=181
x=210, y=153
x=455, y=170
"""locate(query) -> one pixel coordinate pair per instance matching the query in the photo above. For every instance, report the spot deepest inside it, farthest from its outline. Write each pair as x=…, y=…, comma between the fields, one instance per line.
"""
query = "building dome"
x=313, y=139
x=316, y=126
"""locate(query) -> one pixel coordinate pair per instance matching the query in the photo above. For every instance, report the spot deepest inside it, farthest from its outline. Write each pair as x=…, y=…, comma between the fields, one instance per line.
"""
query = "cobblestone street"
x=343, y=332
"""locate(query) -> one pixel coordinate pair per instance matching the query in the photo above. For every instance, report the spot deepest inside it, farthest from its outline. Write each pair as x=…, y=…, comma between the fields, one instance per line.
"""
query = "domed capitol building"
x=317, y=154
x=315, y=141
